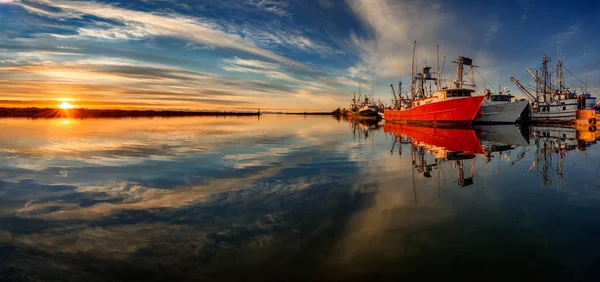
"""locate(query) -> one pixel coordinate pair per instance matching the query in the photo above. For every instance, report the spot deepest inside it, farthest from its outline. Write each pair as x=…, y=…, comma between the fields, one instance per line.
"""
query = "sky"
x=276, y=55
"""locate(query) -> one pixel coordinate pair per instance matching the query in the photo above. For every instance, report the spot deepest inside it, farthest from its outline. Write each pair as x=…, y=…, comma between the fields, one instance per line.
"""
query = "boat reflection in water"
x=445, y=145
x=500, y=140
x=553, y=145
x=364, y=129
x=433, y=148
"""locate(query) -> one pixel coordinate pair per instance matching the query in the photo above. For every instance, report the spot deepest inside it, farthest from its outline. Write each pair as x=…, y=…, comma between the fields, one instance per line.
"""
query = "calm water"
x=293, y=198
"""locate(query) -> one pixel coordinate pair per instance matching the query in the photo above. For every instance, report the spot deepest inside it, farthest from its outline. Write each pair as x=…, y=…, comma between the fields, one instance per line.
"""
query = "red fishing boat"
x=445, y=106
x=436, y=138
x=442, y=108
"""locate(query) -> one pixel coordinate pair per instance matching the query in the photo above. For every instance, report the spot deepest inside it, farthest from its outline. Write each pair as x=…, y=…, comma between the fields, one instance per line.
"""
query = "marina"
x=313, y=140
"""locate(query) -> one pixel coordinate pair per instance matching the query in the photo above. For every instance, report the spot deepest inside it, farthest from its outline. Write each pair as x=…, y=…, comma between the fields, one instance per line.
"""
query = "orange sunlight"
x=65, y=105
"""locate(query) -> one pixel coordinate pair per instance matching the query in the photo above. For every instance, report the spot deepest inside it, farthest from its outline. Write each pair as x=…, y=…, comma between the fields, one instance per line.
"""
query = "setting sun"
x=65, y=106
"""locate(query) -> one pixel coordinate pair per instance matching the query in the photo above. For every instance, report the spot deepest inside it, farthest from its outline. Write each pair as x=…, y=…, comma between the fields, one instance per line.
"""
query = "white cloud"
x=277, y=35
x=137, y=24
x=275, y=7
x=565, y=35
x=394, y=26
x=492, y=28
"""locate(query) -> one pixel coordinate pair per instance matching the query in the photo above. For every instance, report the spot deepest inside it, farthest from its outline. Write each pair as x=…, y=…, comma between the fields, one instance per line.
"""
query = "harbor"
x=456, y=102
x=313, y=140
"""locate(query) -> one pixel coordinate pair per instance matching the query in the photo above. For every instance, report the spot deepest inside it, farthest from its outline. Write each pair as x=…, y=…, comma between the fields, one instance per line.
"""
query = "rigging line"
x=578, y=79
x=487, y=81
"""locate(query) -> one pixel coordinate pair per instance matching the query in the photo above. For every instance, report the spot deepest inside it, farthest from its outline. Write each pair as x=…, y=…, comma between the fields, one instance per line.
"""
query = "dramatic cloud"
x=394, y=25
x=258, y=53
x=136, y=24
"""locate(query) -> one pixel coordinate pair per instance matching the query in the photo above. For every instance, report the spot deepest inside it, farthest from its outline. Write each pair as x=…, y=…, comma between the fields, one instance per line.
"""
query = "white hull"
x=507, y=134
x=564, y=135
x=501, y=113
x=559, y=115
x=560, y=110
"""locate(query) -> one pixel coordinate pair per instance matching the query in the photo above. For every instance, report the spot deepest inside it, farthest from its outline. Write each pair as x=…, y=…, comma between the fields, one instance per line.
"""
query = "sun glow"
x=65, y=105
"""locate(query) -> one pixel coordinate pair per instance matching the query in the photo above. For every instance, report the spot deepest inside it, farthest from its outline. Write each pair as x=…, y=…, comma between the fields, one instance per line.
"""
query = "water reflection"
x=552, y=146
x=502, y=142
x=363, y=129
x=294, y=198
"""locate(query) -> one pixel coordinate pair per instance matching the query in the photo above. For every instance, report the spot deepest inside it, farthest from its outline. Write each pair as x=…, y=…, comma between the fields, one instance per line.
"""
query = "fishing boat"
x=370, y=112
x=498, y=108
x=450, y=106
x=364, y=109
x=553, y=103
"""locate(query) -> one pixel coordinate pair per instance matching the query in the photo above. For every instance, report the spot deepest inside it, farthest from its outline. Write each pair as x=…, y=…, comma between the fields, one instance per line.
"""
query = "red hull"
x=451, y=139
x=462, y=110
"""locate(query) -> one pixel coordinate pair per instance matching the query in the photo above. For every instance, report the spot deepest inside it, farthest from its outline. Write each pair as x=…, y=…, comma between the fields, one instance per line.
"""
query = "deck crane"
x=537, y=81
x=523, y=89
x=395, y=97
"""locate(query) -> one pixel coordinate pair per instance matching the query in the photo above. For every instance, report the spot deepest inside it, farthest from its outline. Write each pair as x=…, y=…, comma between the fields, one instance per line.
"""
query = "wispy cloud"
x=491, y=29
x=393, y=26
x=275, y=7
x=137, y=24
x=95, y=83
x=563, y=36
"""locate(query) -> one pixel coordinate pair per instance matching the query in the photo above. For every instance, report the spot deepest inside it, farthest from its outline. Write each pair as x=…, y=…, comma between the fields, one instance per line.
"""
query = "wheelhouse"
x=501, y=98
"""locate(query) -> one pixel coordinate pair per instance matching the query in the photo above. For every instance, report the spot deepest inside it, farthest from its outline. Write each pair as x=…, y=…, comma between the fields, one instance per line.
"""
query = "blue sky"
x=273, y=55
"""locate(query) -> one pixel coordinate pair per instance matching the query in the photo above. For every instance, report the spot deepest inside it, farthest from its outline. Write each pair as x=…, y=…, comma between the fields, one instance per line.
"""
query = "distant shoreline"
x=100, y=113
x=303, y=113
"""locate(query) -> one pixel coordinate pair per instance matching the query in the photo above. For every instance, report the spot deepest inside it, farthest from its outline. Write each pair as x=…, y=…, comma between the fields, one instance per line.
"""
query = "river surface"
x=294, y=198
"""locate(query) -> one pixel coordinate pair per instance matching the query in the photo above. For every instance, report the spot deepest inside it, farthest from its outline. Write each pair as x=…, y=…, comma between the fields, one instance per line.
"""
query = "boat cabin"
x=453, y=93
x=443, y=95
x=500, y=97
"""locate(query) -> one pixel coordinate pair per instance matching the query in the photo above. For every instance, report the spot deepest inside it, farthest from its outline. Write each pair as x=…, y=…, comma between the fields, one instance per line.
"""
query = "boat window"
x=564, y=107
x=501, y=98
x=458, y=93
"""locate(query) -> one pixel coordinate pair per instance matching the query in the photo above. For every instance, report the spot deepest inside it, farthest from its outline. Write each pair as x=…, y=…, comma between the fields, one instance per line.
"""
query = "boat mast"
x=372, y=97
x=485, y=74
x=462, y=61
x=412, y=89
x=559, y=75
x=438, y=69
x=400, y=89
x=545, y=76
x=459, y=79
x=584, y=76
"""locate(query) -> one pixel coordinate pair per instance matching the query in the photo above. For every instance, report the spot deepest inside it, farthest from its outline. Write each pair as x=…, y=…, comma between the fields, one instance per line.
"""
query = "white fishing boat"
x=506, y=134
x=498, y=108
x=553, y=102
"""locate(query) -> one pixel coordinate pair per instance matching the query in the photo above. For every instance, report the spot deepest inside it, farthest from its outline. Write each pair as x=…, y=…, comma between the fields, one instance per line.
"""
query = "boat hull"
x=556, y=111
x=501, y=113
x=368, y=115
x=564, y=116
x=454, y=111
x=507, y=134
x=451, y=139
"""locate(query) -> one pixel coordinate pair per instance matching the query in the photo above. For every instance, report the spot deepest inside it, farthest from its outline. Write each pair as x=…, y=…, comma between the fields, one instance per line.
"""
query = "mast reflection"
x=446, y=145
x=552, y=145
x=364, y=129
